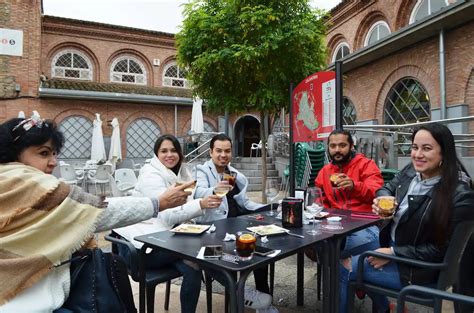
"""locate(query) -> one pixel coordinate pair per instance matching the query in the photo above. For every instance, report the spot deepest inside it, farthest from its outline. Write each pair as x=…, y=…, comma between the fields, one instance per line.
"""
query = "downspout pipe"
x=442, y=76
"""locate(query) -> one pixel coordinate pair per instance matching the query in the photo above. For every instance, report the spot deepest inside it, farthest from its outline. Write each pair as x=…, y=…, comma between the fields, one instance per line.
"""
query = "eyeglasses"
x=27, y=124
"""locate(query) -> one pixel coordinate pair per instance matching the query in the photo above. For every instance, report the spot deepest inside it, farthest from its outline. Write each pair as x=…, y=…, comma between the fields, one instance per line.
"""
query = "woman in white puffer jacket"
x=157, y=176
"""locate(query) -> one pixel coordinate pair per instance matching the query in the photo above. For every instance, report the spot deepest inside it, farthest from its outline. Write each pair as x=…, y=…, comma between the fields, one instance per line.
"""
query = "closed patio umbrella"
x=115, y=152
x=197, y=121
x=98, y=147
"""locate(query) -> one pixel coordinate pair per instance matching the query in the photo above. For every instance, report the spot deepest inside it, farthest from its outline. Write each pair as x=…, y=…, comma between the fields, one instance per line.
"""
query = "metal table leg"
x=300, y=279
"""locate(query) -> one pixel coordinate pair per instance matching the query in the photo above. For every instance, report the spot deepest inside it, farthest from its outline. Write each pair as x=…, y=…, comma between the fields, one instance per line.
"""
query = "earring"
x=440, y=163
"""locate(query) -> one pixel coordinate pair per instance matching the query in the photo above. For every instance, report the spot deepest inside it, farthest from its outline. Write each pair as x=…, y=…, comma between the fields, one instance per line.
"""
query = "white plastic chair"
x=116, y=191
x=256, y=147
x=125, y=178
x=68, y=174
x=101, y=177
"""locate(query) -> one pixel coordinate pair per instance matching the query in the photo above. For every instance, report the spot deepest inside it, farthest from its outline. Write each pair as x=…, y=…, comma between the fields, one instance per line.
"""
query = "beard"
x=345, y=158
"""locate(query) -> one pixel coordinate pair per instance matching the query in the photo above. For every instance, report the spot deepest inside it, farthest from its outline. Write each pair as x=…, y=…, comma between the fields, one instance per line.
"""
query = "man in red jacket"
x=349, y=182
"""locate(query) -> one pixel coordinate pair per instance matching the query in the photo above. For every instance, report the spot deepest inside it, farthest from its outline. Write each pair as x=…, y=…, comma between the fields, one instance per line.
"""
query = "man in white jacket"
x=235, y=203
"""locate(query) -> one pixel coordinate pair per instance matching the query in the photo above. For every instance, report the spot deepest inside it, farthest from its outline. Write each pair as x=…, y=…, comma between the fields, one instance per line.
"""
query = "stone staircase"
x=252, y=169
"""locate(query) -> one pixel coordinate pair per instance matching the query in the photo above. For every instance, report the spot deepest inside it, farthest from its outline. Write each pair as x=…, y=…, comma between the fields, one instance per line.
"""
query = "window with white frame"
x=407, y=102
x=341, y=51
x=71, y=64
x=423, y=8
x=174, y=76
x=141, y=136
x=129, y=70
x=376, y=32
x=77, y=131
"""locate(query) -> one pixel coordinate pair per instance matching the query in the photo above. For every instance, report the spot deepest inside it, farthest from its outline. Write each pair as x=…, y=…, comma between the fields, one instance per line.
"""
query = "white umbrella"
x=21, y=114
x=98, y=148
x=197, y=121
x=115, y=152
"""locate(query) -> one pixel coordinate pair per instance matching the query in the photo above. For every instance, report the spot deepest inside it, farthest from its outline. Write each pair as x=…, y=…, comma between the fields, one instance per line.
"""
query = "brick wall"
x=20, y=15
x=369, y=85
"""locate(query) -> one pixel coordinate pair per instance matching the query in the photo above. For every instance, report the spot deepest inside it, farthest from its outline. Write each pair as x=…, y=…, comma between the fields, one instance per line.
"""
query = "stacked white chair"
x=101, y=177
x=125, y=179
x=68, y=174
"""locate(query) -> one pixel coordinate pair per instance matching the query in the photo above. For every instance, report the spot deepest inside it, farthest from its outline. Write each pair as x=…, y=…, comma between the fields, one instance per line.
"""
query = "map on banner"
x=314, y=107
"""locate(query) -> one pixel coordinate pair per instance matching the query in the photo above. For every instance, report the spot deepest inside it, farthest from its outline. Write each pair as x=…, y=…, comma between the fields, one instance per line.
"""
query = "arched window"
x=376, y=32
x=340, y=51
x=349, y=114
x=407, y=102
x=128, y=69
x=77, y=131
x=174, y=76
x=141, y=137
x=71, y=64
x=423, y=8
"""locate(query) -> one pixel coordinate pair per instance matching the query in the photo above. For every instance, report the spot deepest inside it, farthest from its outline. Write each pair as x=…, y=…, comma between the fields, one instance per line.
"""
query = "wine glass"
x=185, y=175
x=271, y=191
x=221, y=190
x=314, y=206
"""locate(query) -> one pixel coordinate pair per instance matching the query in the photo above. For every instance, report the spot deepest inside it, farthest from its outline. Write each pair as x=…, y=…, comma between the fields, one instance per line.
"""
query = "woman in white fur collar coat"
x=155, y=177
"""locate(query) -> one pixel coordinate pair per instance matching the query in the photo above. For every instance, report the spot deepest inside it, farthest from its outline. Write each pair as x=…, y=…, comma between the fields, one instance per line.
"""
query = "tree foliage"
x=241, y=55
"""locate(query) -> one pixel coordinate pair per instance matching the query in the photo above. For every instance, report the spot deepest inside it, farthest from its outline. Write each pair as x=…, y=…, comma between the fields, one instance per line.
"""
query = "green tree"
x=242, y=55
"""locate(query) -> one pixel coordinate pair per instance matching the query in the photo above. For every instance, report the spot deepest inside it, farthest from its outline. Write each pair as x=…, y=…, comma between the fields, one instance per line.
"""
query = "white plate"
x=190, y=229
x=267, y=230
x=334, y=219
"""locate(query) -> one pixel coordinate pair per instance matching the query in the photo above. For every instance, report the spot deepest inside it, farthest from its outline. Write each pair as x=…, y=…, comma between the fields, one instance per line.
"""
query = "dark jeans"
x=191, y=286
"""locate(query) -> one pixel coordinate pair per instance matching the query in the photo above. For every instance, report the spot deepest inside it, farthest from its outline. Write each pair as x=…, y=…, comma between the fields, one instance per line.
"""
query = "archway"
x=246, y=132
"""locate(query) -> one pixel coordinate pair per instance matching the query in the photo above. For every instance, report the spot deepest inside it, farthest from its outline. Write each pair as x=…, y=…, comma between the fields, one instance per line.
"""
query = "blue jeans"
x=360, y=241
x=191, y=286
x=387, y=277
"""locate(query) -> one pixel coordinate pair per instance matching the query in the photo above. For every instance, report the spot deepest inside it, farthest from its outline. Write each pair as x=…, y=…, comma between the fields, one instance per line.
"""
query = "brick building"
x=395, y=54
x=71, y=69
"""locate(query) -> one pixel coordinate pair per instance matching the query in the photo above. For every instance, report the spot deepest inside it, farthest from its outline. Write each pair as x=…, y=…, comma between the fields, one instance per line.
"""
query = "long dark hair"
x=176, y=145
x=18, y=134
x=443, y=191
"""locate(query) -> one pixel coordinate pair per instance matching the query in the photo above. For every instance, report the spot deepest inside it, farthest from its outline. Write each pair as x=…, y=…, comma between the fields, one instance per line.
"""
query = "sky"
x=158, y=15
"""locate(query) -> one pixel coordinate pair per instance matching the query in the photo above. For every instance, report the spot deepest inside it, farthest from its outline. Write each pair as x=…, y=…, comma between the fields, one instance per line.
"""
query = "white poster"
x=329, y=102
x=11, y=42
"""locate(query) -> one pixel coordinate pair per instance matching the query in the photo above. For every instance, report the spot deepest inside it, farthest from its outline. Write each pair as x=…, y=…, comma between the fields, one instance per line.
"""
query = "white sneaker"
x=270, y=309
x=255, y=299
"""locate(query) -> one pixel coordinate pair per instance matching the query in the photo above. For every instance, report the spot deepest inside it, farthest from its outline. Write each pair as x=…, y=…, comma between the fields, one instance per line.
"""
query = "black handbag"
x=99, y=283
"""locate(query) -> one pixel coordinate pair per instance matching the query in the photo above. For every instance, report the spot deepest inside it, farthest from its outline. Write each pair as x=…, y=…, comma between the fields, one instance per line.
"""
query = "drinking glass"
x=271, y=191
x=314, y=196
x=185, y=175
x=245, y=245
x=221, y=191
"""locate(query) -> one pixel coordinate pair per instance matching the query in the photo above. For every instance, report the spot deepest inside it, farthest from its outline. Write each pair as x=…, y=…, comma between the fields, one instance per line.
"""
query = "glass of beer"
x=245, y=245
x=333, y=178
x=387, y=205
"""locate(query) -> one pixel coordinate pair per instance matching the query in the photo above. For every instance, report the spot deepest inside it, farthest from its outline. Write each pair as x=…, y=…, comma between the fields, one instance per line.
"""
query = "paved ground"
x=285, y=290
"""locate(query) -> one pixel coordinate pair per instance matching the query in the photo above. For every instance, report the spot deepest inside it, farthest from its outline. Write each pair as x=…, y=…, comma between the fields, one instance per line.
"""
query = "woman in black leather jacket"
x=433, y=195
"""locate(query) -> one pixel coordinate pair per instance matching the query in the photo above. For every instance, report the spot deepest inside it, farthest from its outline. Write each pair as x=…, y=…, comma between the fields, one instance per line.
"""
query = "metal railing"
x=201, y=149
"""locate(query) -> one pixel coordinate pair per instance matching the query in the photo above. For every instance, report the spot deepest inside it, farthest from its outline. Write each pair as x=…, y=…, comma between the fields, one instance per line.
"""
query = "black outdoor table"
x=188, y=246
x=351, y=225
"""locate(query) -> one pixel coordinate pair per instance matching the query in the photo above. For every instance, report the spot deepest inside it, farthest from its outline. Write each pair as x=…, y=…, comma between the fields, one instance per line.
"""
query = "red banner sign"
x=314, y=107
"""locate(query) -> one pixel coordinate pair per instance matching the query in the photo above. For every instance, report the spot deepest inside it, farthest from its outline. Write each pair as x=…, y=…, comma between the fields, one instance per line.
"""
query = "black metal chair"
x=152, y=277
x=448, y=269
x=433, y=293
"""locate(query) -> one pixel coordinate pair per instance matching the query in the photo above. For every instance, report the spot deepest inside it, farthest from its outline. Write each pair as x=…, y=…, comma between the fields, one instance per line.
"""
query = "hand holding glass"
x=221, y=190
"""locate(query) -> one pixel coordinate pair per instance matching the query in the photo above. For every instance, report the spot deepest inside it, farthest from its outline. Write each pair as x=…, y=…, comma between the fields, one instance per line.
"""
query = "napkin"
x=264, y=239
x=229, y=237
x=211, y=229
x=200, y=254
x=271, y=255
